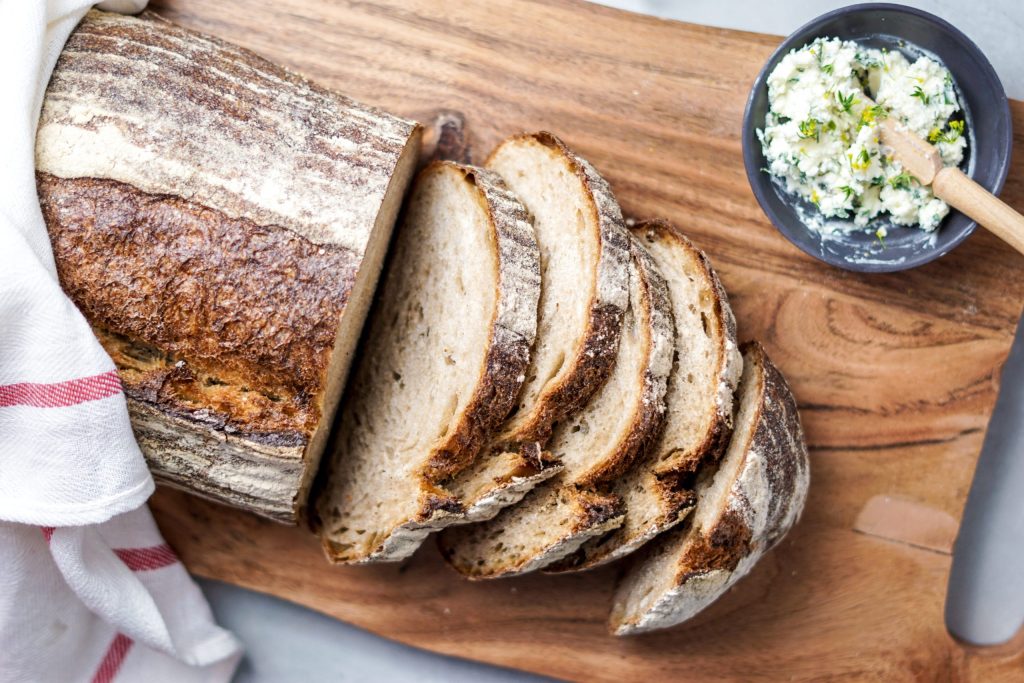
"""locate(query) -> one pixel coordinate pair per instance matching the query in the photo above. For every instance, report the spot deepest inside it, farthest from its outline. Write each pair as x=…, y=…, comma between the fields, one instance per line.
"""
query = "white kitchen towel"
x=89, y=591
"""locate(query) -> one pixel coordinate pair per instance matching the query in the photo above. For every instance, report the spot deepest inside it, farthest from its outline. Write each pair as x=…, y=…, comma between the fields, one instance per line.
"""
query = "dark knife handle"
x=985, y=601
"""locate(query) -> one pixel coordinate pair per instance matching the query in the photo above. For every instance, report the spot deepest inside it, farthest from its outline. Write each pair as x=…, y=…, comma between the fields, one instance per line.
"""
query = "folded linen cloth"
x=89, y=591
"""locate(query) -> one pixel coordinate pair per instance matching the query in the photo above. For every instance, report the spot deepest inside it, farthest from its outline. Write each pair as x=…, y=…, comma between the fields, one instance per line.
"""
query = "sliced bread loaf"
x=584, y=254
x=593, y=445
x=743, y=509
x=657, y=491
x=221, y=223
x=444, y=356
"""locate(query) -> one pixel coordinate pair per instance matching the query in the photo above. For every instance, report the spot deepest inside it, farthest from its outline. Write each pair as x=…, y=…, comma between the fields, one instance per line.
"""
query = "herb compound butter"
x=821, y=137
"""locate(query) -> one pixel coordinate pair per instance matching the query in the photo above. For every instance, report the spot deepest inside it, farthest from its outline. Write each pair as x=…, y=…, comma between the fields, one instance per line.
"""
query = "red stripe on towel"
x=146, y=559
x=47, y=532
x=60, y=394
x=113, y=659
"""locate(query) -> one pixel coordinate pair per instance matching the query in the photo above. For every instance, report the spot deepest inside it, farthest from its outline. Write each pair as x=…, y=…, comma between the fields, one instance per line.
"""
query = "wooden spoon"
x=950, y=184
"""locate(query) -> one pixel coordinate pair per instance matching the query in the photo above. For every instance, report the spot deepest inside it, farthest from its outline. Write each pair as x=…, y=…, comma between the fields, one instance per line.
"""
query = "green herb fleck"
x=848, y=191
x=901, y=181
x=920, y=94
x=809, y=129
x=862, y=161
x=827, y=68
x=846, y=102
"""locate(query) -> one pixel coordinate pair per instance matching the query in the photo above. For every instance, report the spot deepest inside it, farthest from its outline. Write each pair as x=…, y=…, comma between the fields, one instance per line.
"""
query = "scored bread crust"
x=737, y=520
x=512, y=332
x=514, y=462
x=563, y=514
x=666, y=473
x=191, y=194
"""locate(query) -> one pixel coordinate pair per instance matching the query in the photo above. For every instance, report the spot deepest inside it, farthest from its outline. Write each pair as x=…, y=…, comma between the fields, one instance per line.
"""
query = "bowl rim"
x=753, y=171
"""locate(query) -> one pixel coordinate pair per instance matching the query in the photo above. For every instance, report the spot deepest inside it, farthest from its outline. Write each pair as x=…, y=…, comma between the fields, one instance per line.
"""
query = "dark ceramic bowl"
x=986, y=160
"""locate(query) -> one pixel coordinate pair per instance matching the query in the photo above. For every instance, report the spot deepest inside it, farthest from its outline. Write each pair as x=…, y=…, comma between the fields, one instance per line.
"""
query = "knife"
x=985, y=599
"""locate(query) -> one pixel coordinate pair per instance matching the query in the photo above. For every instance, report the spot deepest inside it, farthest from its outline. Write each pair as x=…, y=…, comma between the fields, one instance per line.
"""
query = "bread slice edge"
x=511, y=333
x=740, y=515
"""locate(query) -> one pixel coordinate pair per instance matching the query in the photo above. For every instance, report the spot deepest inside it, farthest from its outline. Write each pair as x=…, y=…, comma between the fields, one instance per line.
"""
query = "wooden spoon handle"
x=972, y=199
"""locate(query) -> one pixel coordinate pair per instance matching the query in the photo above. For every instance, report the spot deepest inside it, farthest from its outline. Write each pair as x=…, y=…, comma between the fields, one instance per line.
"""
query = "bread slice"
x=593, y=446
x=743, y=510
x=221, y=223
x=442, y=362
x=657, y=491
x=584, y=251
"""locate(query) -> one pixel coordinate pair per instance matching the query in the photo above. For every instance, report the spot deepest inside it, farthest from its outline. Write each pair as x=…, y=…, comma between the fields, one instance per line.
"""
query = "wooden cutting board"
x=896, y=375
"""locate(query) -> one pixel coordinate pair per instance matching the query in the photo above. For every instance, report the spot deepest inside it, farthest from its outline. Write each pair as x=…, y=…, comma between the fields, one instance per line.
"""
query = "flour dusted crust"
x=556, y=518
x=514, y=461
x=512, y=331
x=661, y=347
x=729, y=363
x=658, y=488
x=397, y=530
x=171, y=111
x=596, y=353
x=745, y=511
x=221, y=223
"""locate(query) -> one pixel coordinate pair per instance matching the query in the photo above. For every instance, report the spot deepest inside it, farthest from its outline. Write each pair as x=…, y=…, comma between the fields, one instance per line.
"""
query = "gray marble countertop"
x=286, y=643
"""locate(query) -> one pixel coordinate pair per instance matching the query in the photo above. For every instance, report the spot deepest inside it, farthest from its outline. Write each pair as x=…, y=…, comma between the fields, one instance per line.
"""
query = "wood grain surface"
x=896, y=375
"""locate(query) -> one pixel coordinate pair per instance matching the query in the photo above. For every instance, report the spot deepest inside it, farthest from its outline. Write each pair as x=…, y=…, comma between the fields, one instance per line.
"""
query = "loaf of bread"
x=657, y=492
x=221, y=223
x=584, y=252
x=558, y=387
x=444, y=356
x=744, y=507
x=593, y=445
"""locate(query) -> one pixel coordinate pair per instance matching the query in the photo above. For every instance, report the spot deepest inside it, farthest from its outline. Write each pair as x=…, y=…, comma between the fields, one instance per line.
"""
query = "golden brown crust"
x=584, y=512
x=512, y=330
x=220, y=221
x=199, y=294
x=176, y=388
x=649, y=415
x=778, y=433
x=594, y=509
x=787, y=477
x=722, y=549
x=720, y=431
x=595, y=357
x=684, y=571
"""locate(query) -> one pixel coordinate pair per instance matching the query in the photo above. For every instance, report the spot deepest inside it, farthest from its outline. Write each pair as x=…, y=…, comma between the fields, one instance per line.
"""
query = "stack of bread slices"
x=551, y=389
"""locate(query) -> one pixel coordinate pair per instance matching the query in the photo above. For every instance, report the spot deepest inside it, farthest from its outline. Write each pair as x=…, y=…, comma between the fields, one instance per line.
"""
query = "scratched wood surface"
x=896, y=375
